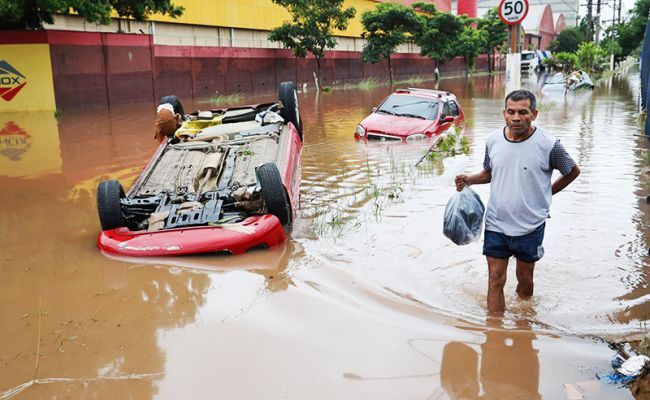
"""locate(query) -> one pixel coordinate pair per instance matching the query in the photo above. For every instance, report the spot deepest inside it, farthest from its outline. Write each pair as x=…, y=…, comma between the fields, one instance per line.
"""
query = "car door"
x=444, y=114
x=455, y=112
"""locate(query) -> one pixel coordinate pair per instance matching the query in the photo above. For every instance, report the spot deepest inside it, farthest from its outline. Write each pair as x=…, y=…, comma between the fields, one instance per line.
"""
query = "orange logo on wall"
x=11, y=81
x=14, y=141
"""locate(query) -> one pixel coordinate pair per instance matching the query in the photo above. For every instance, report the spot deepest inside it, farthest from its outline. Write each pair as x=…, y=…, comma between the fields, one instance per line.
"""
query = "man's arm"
x=563, y=181
x=484, y=176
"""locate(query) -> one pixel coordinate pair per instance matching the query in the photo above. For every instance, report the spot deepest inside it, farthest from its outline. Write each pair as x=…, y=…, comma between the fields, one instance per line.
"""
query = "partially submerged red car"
x=411, y=113
x=227, y=181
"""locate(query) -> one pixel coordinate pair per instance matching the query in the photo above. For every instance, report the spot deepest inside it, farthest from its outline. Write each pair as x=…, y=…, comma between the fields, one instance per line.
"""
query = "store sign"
x=11, y=81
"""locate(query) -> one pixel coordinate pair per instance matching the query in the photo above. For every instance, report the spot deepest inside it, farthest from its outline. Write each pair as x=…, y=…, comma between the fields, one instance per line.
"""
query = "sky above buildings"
x=606, y=8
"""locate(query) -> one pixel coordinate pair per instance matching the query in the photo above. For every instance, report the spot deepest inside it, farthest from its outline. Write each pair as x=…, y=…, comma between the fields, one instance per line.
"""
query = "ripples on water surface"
x=592, y=279
x=367, y=299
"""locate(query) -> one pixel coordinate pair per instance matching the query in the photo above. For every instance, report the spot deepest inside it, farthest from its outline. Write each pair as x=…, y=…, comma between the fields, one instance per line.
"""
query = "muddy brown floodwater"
x=368, y=300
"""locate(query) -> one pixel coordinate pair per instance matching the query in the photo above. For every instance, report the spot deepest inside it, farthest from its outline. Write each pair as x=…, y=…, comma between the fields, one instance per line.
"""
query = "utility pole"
x=597, y=23
x=590, y=22
x=612, y=33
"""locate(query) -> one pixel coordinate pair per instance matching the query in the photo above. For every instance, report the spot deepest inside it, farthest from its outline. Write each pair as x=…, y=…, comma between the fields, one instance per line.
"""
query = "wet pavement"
x=367, y=300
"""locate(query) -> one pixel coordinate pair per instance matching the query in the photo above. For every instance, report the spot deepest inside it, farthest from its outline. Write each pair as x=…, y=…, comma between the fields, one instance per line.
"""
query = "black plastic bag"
x=464, y=217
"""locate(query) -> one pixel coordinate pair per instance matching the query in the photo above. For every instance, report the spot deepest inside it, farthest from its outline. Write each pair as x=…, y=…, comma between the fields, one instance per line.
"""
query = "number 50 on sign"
x=512, y=12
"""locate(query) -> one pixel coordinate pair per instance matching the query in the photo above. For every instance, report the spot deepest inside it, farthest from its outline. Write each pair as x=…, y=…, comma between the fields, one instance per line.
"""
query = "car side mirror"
x=448, y=118
x=374, y=109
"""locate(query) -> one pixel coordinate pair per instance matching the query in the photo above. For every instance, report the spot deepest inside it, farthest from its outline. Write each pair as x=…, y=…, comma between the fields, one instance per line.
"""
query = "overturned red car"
x=227, y=181
x=411, y=113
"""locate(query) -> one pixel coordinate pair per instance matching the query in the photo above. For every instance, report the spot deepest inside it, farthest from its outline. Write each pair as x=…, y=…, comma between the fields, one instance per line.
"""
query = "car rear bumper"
x=254, y=232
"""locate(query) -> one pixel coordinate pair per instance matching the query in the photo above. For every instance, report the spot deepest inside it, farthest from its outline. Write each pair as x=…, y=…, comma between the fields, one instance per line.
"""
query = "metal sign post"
x=512, y=12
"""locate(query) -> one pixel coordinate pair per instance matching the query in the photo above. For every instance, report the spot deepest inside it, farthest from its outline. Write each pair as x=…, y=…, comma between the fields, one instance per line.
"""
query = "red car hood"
x=396, y=126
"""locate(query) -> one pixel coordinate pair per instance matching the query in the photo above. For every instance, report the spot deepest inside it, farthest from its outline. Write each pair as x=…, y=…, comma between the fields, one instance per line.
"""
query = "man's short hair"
x=518, y=95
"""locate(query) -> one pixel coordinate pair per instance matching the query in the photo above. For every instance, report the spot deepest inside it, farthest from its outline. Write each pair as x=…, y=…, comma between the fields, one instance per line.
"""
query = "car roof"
x=434, y=94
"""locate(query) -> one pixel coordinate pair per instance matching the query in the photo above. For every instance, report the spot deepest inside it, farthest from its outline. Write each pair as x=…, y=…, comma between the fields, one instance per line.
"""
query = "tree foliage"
x=312, y=25
x=439, y=32
x=566, y=61
x=497, y=33
x=568, y=40
x=590, y=57
x=32, y=14
x=385, y=28
x=630, y=33
x=470, y=43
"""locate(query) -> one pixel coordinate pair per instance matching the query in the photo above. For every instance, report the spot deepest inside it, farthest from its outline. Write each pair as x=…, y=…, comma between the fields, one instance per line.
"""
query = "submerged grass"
x=372, y=83
x=415, y=79
x=453, y=144
x=384, y=185
x=220, y=100
x=545, y=107
x=365, y=84
x=646, y=157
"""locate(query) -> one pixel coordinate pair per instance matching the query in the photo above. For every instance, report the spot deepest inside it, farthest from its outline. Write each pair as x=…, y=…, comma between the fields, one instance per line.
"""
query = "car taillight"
x=361, y=131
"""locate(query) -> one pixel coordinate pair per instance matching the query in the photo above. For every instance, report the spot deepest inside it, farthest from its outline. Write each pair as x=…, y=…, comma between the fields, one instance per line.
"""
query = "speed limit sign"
x=512, y=12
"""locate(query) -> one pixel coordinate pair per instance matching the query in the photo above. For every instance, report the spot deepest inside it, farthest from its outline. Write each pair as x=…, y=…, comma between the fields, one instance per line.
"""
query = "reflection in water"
x=14, y=141
x=459, y=371
x=29, y=144
x=509, y=367
x=271, y=264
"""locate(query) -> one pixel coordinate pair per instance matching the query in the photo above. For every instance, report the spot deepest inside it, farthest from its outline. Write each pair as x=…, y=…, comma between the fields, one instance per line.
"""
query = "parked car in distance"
x=226, y=181
x=411, y=113
x=576, y=81
x=533, y=60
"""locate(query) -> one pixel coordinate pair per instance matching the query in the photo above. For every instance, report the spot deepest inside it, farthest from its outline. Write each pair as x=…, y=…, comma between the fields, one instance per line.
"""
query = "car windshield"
x=410, y=106
x=527, y=56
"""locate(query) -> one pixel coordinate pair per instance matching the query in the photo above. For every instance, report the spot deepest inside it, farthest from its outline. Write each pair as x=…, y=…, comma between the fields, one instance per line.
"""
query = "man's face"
x=519, y=117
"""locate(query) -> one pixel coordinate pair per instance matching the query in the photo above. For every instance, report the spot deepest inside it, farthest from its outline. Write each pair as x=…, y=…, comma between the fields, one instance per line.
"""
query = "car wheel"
x=273, y=192
x=175, y=102
x=109, y=194
x=290, y=112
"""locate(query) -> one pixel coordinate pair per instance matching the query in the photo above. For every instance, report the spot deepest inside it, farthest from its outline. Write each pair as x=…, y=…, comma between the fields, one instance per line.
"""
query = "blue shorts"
x=527, y=248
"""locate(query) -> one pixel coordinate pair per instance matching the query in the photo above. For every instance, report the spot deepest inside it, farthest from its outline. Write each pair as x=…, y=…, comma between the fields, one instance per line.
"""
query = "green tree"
x=385, y=28
x=590, y=57
x=310, y=30
x=439, y=32
x=630, y=33
x=568, y=40
x=32, y=14
x=497, y=33
x=567, y=61
x=610, y=45
x=470, y=43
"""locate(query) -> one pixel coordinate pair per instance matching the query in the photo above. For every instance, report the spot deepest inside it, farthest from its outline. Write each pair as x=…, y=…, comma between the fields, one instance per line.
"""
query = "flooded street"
x=367, y=300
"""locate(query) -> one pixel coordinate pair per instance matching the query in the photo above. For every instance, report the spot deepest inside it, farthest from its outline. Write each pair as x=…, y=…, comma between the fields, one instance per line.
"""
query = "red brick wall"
x=97, y=69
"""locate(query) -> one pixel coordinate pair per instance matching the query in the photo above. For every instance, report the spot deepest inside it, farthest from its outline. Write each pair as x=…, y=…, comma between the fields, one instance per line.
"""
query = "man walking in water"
x=519, y=161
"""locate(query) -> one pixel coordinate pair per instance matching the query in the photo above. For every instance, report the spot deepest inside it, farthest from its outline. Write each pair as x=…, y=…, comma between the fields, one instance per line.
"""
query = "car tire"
x=290, y=111
x=109, y=194
x=175, y=102
x=273, y=191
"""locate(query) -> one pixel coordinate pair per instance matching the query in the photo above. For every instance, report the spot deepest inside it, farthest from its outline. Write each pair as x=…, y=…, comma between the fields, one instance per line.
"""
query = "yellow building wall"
x=27, y=64
x=252, y=14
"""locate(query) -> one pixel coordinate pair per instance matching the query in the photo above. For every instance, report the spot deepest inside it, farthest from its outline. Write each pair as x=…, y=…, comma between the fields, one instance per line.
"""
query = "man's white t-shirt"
x=520, y=189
